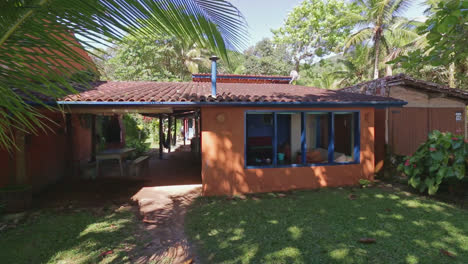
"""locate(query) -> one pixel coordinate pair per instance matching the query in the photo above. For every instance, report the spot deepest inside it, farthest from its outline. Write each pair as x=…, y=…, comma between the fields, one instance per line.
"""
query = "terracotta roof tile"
x=226, y=92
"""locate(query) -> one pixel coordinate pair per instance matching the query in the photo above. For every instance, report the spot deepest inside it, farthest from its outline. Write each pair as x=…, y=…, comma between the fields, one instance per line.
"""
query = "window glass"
x=259, y=143
x=344, y=137
x=317, y=134
x=289, y=138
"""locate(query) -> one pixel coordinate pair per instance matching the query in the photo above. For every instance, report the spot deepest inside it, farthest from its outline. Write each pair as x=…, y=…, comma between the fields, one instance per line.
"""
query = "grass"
x=70, y=237
x=324, y=226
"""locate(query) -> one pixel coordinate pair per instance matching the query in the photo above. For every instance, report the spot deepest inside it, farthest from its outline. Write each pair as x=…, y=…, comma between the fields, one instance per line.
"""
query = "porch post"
x=185, y=129
x=160, y=137
x=175, y=131
x=169, y=138
x=93, y=138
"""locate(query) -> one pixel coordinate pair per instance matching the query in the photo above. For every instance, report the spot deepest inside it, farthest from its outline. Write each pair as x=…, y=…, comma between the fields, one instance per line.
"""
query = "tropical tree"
x=354, y=67
x=315, y=27
x=39, y=54
x=267, y=58
x=380, y=21
x=162, y=58
x=445, y=30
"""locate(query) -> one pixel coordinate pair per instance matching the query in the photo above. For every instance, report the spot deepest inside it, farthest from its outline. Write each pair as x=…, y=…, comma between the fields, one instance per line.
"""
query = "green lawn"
x=324, y=226
x=70, y=237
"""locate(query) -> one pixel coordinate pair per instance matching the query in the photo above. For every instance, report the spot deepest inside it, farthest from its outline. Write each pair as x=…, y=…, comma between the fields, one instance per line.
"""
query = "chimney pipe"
x=213, y=60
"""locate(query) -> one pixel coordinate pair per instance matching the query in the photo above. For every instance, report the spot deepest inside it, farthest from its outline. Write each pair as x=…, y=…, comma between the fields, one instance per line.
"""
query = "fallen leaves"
x=367, y=240
x=148, y=221
x=105, y=253
x=447, y=253
x=281, y=195
x=190, y=261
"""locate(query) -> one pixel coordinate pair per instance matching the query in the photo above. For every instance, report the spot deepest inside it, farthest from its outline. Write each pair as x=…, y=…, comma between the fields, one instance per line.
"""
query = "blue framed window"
x=301, y=138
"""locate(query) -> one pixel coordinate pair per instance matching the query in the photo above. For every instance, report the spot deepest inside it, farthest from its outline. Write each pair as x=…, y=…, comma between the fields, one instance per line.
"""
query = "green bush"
x=442, y=158
x=136, y=133
x=364, y=183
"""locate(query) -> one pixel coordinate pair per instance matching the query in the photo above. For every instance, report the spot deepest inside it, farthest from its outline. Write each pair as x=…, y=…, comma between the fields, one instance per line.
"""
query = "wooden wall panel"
x=379, y=138
x=408, y=129
x=445, y=120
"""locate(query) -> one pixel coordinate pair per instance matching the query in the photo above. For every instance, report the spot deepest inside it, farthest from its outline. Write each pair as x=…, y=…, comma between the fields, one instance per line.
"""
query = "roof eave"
x=377, y=104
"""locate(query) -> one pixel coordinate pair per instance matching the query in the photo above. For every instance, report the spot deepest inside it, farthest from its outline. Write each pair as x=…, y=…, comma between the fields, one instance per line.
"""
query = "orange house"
x=253, y=133
x=257, y=133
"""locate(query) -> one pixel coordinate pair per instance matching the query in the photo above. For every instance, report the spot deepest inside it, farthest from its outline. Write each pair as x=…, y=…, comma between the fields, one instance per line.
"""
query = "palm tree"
x=39, y=54
x=353, y=68
x=190, y=57
x=377, y=23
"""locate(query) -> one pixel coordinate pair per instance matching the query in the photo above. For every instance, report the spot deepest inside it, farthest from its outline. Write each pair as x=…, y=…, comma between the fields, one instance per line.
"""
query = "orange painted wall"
x=223, y=171
x=47, y=153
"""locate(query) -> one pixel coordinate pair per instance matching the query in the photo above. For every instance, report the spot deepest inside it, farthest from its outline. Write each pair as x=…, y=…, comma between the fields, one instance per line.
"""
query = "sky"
x=264, y=15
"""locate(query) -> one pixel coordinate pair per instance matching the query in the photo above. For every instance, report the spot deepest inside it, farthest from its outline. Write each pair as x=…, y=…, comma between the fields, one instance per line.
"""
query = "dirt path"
x=163, y=210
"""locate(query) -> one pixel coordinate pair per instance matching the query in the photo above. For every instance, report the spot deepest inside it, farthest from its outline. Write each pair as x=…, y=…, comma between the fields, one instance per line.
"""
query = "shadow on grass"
x=324, y=226
x=71, y=237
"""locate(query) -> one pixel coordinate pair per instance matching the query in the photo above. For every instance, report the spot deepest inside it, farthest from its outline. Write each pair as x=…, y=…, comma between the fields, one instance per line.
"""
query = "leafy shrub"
x=364, y=183
x=442, y=158
x=140, y=147
x=136, y=133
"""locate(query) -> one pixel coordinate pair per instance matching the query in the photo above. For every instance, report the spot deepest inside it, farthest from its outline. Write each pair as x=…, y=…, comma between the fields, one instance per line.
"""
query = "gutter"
x=382, y=104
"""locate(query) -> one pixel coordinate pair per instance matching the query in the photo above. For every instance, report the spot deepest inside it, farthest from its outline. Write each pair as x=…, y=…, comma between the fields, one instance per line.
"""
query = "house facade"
x=255, y=133
x=430, y=107
x=258, y=136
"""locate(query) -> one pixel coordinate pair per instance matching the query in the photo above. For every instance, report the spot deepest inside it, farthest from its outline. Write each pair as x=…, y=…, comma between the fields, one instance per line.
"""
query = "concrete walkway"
x=163, y=210
x=171, y=186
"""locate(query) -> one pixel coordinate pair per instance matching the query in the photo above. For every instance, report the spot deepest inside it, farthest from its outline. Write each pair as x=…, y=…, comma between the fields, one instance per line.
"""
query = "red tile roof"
x=226, y=92
x=236, y=78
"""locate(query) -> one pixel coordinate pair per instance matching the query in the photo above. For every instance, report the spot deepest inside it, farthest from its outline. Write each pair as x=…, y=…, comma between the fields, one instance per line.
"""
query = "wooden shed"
x=430, y=107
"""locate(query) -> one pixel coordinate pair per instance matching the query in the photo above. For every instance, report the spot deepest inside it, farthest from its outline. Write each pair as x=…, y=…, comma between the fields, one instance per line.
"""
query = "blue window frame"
x=276, y=139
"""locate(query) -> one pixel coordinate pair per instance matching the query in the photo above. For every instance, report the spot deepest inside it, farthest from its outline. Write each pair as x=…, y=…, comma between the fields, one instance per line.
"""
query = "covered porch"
x=173, y=158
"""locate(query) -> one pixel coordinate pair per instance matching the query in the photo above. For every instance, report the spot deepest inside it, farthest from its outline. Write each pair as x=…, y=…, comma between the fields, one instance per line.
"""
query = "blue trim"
x=259, y=104
x=245, y=139
x=303, y=138
x=357, y=137
x=243, y=77
x=318, y=132
x=300, y=165
x=275, y=139
x=331, y=137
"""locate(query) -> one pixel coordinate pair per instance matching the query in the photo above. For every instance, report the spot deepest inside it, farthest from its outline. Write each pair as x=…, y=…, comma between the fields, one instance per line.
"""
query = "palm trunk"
x=377, y=55
x=451, y=77
x=297, y=65
x=388, y=70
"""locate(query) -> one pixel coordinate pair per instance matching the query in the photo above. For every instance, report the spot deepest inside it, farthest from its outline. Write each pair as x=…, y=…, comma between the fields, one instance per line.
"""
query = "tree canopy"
x=315, y=28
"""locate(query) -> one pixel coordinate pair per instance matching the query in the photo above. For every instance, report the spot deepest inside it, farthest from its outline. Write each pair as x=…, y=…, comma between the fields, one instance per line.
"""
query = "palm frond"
x=358, y=38
x=39, y=55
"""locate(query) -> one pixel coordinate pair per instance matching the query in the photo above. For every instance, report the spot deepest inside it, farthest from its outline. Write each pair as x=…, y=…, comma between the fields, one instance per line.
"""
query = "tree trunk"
x=388, y=70
x=451, y=77
x=377, y=53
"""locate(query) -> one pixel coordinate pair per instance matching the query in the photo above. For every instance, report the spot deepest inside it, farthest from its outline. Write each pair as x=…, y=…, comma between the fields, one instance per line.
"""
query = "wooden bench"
x=139, y=166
